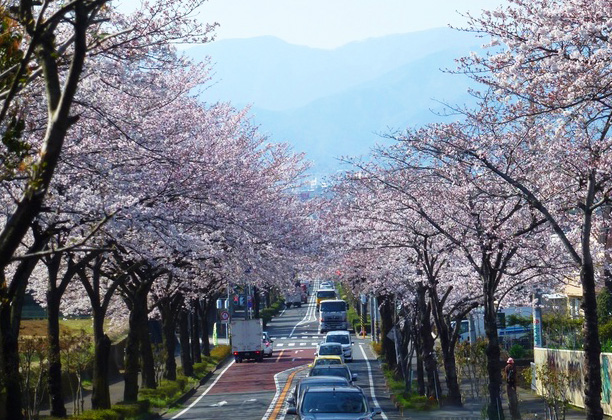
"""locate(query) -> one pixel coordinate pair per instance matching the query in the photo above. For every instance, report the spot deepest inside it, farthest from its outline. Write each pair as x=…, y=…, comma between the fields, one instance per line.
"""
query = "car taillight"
x=257, y=352
x=235, y=353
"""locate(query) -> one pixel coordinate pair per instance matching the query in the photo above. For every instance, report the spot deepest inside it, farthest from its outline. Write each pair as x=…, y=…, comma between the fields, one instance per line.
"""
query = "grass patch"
x=166, y=393
x=219, y=353
x=37, y=328
x=406, y=400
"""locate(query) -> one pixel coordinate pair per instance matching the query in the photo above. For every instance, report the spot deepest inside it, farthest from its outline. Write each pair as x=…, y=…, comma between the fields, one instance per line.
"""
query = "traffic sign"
x=225, y=316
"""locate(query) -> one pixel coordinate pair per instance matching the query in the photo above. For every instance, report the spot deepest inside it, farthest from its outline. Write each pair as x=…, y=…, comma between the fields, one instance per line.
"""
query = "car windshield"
x=324, y=371
x=333, y=306
x=337, y=338
x=330, y=350
x=326, y=294
x=333, y=402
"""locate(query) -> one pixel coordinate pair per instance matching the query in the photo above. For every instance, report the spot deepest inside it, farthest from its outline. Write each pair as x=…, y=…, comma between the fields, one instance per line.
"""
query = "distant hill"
x=331, y=103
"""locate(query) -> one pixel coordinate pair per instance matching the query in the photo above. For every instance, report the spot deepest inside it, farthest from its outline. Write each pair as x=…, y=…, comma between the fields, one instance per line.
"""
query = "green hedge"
x=267, y=314
x=121, y=411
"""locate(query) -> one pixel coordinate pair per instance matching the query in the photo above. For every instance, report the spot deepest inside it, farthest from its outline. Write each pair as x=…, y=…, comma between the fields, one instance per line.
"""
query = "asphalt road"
x=257, y=391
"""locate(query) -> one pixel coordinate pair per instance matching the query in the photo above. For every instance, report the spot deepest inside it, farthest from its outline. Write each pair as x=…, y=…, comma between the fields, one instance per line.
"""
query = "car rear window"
x=330, y=350
x=338, y=338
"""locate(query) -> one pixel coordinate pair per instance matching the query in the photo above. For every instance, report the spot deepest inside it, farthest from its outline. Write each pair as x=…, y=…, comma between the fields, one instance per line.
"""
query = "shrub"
x=517, y=351
x=182, y=382
x=377, y=347
x=99, y=415
x=219, y=353
x=166, y=393
x=200, y=369
x=606, y=346
x=605, y=331
x=131, y=410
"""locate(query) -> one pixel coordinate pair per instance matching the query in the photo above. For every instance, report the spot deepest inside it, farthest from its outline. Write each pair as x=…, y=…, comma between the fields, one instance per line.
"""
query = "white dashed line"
x=203, y=393
x=372, y=393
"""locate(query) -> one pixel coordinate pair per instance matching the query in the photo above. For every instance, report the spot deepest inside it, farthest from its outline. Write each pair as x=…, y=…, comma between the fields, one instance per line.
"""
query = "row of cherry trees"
x=124, y=197
x=516, y=191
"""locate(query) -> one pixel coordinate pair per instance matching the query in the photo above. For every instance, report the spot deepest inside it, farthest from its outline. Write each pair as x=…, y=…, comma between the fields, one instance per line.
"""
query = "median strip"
x=280, y=399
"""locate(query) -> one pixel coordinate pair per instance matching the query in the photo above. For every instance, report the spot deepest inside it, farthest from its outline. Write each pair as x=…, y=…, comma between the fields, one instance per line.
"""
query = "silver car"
x=334, y=403
x=312, y=381
x=344, y=339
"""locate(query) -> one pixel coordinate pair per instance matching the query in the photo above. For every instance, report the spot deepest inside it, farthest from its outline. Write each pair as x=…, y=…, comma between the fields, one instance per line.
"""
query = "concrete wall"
x=572, y=362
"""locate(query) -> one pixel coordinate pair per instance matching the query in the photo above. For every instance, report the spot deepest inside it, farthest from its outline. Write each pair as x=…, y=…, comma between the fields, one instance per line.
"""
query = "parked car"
x=333, y=370
x=311, y=381
x=344, y=339
x=334, y=403
x=267, y=344
x=330, y=349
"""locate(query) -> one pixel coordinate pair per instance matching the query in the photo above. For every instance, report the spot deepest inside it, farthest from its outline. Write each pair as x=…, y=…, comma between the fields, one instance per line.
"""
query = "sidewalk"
x=531, y=406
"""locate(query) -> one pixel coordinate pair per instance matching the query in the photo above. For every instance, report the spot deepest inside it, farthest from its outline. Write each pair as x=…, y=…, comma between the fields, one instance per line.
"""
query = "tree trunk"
x=146, y=350
x=205, y=308
x=386, y=318
x=100, y=394
x=186, y=361
x=169, y=310
x=447, y=344
x=419, y=361
x=11, y=305
x=11, y=380
x=58, y=408
x=592, y=345
x=132, y=359
x=495, y=409
x=196, y=352
x=427, y=344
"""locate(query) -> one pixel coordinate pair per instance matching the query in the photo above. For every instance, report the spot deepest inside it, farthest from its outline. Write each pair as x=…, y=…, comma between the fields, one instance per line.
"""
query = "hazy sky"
x=330, y=23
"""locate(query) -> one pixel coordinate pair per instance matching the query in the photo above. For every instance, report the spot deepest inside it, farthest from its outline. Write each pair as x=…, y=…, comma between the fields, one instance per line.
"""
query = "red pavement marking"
x=251, y=376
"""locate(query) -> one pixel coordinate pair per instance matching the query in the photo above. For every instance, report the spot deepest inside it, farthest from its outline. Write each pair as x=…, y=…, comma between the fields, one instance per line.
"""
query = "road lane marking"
x=279, y=399
x=291, y=344
x=279, y=356
x=372, y=393
x=310, y=313
x=205, y=392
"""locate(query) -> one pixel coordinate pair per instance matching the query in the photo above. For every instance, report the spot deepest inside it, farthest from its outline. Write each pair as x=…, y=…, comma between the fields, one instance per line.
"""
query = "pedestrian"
x=510, y=373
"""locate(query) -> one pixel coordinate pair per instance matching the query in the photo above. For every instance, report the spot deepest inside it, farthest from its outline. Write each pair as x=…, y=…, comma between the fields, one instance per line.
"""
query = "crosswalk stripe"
x=302, y=344
x=279, y=345
x=291, y=344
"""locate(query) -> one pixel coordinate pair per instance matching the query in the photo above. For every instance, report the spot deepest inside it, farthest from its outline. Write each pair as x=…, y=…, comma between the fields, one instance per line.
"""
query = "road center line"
x=279, y=398
x=205, y=392
x=372, y=392
x=279, y=356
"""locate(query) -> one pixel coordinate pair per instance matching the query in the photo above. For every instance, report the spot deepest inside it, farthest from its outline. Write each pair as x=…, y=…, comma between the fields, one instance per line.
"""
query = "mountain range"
x=341, y=102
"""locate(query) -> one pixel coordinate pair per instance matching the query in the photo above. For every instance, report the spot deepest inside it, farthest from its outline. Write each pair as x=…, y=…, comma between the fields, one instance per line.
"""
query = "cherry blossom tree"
x=57, y=37
x=554, y=56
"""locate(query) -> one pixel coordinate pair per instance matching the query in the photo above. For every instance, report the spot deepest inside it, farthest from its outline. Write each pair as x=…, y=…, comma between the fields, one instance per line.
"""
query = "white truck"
x=294, y=298
x=246, y=338
x=333, y=315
